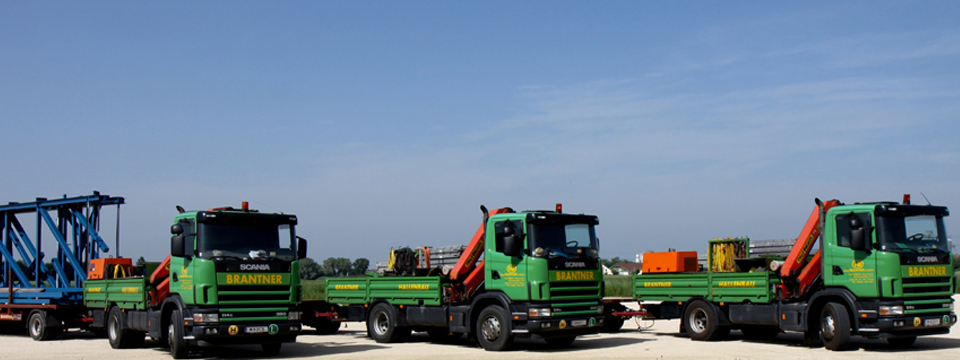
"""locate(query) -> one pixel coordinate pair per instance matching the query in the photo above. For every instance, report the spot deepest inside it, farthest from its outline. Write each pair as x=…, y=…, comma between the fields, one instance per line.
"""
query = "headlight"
x=539, y=312
x=293, y=315
x=891, y=310
x=206, y=318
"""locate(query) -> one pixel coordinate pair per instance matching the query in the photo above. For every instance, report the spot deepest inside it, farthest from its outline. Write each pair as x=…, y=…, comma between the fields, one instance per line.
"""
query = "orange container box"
x=670, y=262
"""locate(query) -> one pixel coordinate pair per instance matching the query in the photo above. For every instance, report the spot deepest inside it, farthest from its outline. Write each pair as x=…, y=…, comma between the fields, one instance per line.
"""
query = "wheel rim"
x=828, y=327
x=35, y=327
x=112, y=329
x=491, y=328
x=382, y=324
x=170, y=335
x=698, y=320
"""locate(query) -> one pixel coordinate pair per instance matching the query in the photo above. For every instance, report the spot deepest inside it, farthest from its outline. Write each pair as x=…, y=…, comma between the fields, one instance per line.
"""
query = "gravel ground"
x=659, y=341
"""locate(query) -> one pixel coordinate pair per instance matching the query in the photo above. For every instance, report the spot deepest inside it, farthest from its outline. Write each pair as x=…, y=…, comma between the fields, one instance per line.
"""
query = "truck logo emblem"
x=573, y=264
x=563, y=324
x=273, y=329
x=233, y=330
x=511, y=269
x=927, y=259
x=857, y=264
x=260, y=267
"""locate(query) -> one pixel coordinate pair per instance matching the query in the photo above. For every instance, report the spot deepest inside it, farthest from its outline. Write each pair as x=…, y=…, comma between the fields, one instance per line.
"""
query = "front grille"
x=248, y=294
x=574, y=289
x=925, y=295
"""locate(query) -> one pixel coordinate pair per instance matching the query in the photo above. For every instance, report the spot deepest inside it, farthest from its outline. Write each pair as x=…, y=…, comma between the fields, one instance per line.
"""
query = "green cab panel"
x=420, y=290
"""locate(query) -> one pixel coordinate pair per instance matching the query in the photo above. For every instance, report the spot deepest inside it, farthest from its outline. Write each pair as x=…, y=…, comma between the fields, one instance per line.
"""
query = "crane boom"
x=798, y=273
x=467, y=271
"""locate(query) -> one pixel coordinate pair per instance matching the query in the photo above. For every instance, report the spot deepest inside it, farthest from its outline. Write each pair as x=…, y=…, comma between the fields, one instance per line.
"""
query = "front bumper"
x=901, y=326
x=554, y=327
x=245, y=333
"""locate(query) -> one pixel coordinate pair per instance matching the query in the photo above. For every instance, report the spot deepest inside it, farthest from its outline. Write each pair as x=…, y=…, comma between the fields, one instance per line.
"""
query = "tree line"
x=339, y=266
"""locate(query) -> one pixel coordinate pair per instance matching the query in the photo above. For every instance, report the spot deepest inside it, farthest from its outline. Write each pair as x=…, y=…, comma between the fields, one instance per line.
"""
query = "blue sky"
x=385, y=123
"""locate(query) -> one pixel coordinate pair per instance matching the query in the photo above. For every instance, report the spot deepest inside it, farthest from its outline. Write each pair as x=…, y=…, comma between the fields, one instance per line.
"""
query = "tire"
x=116, y=335
x=702, y=323
x=835, y=327
x=612, y=324
x=562, y=341
x=382, y=324
x=494, y=329
x=902, y=342
x=175, y=332
x=37, y=326
x=760, y=332
x=271, y=349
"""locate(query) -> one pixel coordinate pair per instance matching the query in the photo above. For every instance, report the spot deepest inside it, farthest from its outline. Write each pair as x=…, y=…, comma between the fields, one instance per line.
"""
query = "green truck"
x=232, y=277
x=540, y=276
x=883, y=270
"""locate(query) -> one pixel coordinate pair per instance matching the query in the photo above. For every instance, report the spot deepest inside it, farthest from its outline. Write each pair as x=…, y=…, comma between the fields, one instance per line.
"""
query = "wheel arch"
x=484, y=300
x=837, y=295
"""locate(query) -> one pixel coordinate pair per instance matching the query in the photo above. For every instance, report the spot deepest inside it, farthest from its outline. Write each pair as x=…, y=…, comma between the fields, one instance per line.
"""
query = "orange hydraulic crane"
x=797, y=274
x=467, y=272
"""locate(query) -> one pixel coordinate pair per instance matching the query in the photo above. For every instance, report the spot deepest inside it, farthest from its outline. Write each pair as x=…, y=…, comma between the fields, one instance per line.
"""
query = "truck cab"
x=895, y=260
x=236, y=275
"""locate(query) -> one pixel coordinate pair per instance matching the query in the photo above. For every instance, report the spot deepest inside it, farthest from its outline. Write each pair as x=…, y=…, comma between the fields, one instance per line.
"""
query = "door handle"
x=495, y=275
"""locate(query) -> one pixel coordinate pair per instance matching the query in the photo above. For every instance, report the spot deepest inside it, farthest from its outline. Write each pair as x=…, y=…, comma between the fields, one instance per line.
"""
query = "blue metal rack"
x=75, y=228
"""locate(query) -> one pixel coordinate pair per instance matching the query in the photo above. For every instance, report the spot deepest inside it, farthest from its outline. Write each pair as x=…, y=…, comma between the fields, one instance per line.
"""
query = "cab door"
x=504, y=272
x=844, y=266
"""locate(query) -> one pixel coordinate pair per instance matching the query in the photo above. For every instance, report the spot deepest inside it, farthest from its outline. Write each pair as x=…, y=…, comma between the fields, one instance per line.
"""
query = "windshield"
x=913, y=234
x=246, y=242
x=570, y=240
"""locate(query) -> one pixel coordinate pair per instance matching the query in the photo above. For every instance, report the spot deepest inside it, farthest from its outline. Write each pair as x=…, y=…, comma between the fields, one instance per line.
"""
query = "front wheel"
x=702, y=322
x=175, y=331
x=612, y=323
x=494, y=329
x=835, y=327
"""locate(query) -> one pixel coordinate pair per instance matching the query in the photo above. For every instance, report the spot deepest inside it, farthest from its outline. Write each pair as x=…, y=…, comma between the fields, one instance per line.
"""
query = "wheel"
x=612, y=323
x=37, y=326
x=271, y=349
x=701, y=322
x=494, y=329
x=902, y=342
x=835, y=327
x=760, y=332
x=175, y=331
x=562, y=341
x=382, y=324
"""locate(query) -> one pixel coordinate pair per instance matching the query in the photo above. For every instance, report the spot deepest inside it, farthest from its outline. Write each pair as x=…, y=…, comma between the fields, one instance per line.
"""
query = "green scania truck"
x=540, y=276
x=232, y=277
x=883, y=270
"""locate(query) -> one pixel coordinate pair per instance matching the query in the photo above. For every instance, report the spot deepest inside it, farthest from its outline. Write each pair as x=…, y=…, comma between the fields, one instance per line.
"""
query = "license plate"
x=578, y=323
x=255, y=329
x=931, y=322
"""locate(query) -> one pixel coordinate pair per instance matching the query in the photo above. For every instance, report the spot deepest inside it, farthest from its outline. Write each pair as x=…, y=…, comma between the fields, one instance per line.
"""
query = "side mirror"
x=512, y=245
x=301, y=248
x=858, y=239
x=176, y=229
x=177, y=246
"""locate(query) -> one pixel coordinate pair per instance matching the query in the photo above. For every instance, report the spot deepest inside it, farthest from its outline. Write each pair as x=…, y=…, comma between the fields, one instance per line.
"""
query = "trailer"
x=49, y=300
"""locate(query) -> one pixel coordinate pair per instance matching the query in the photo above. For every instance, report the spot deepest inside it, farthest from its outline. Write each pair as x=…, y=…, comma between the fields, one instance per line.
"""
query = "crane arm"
x=796, y=270
x=466, y=271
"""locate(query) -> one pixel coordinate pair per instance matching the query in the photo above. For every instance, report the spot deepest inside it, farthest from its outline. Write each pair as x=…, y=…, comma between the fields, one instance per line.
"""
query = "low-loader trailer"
x=883, y=270
x=540, y=275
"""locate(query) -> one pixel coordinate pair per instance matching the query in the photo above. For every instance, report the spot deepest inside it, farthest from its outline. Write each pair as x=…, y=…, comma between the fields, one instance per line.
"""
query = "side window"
x=189, y=235
x=843, y=226
x=499, y=228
